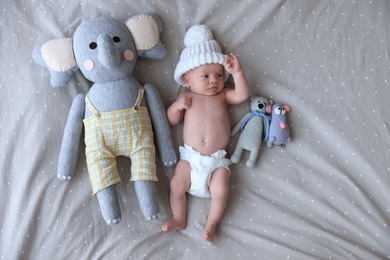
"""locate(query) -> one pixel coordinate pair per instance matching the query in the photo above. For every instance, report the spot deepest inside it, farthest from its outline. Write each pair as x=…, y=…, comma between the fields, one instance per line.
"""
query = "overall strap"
x=93, y=110
x=139, y=98
x=96, y=113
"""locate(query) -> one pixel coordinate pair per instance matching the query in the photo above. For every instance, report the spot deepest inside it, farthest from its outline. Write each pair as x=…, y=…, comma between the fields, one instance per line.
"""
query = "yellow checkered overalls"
x=127, y=132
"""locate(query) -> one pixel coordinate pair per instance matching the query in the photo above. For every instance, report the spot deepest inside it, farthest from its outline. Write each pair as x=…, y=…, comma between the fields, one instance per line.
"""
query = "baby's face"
x=206, y=79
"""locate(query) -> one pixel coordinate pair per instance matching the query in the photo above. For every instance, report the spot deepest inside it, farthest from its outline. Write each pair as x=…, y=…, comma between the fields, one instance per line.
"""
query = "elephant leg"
x=236, y=156
x=147, y=198
x=109, y=205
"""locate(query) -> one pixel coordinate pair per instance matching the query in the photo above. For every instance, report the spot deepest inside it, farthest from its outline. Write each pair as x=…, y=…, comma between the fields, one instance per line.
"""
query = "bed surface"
x=325, y=196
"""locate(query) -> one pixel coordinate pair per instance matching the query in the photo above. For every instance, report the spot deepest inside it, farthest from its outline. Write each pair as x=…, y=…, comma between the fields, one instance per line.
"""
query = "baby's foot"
x=173, y=224
x=209, y=232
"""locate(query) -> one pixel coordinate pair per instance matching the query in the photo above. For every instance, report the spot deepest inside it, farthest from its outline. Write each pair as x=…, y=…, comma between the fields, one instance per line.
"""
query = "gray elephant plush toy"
x=254, y=128
x=118, y=113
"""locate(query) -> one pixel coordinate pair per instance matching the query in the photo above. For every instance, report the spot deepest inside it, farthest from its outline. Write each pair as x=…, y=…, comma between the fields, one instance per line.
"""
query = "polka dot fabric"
x=325, y=196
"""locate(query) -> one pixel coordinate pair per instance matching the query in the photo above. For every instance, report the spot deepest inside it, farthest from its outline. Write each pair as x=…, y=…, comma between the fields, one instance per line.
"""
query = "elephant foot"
x=170, y=163
x=109, y=205
x=64, y=177
x=147, y=198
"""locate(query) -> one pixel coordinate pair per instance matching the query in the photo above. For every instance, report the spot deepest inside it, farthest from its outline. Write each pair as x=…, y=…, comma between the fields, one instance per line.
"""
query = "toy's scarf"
x=267, y=120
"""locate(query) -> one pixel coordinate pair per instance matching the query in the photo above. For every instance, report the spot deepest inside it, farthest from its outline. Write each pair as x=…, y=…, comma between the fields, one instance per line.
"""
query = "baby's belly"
x=207, y=143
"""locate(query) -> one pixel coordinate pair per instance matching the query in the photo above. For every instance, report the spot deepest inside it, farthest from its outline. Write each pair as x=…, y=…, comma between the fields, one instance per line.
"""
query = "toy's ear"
x=146, y=30
x=287, y=108
x=269, y=108
x=58, y=58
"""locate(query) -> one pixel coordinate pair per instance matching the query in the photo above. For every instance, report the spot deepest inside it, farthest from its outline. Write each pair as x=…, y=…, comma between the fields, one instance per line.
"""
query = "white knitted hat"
x=200, y=49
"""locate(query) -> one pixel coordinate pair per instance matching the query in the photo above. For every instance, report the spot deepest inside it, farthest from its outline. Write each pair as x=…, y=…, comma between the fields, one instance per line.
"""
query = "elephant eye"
x=93, y=45
x=116, y=39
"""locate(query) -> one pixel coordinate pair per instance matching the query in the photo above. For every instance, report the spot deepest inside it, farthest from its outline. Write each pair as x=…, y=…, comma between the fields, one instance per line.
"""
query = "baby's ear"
x=57, y=57
x=186, y=81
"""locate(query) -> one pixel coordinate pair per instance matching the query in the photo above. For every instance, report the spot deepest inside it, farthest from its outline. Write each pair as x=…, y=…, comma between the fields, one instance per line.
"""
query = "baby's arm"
x=176, y=111
x=241, y=91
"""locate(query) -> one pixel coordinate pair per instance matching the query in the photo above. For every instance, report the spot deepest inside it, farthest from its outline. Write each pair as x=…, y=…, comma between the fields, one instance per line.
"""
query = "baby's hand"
x=232, y=64
x=183, y=103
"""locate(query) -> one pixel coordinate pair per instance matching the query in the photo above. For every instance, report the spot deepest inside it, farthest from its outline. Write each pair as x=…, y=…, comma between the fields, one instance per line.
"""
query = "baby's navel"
x=204, y=142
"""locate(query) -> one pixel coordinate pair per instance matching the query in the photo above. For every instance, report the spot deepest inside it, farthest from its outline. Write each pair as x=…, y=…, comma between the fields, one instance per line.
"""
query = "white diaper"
x=202, y=166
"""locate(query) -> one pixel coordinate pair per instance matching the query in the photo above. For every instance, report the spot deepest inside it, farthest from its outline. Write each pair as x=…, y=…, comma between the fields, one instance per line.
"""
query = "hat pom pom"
x=197, y=34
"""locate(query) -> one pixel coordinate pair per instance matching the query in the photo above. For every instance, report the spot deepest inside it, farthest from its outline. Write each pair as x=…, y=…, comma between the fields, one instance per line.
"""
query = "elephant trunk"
x=109, y=55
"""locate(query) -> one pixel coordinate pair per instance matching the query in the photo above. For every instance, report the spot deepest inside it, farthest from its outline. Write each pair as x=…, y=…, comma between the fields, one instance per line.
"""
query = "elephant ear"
x=57, y=57
x=146, y=29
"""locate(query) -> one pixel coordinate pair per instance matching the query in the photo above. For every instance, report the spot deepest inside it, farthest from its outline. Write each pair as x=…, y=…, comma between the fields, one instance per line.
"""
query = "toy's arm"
x=236, y=127
x=71, y=140
x=161, y=129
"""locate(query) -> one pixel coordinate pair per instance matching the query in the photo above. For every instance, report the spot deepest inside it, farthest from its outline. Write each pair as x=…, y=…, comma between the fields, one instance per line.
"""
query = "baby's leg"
x=180, y=183
x=219, y=189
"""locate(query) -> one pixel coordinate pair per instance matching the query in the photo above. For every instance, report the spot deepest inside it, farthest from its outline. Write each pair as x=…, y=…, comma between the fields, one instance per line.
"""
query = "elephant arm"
x=71, y=139
x=161, y=128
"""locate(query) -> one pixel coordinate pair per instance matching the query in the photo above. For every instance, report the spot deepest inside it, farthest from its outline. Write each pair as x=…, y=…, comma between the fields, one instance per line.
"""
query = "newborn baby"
x=203, y=170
